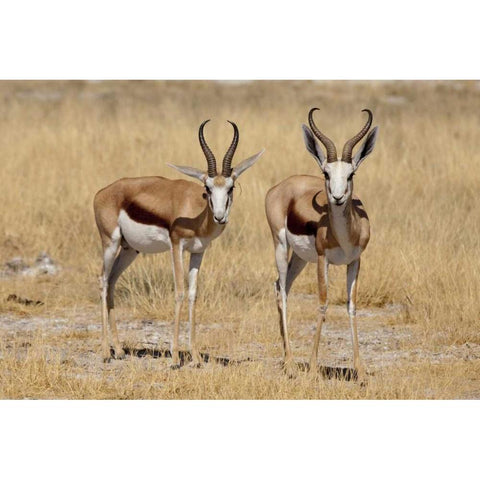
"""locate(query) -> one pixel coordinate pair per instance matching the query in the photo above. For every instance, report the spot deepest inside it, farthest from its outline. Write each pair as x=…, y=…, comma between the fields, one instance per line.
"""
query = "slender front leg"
x=195, y=262
x=352, y=276
x=177, y=260
x=322, y=276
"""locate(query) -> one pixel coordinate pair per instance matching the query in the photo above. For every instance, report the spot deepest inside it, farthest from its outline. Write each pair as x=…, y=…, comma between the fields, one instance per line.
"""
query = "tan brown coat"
x=300, y=203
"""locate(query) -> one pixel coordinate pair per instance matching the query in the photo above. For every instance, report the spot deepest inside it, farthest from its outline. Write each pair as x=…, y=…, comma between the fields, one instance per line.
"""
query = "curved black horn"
x=329, y=145
x=347, y=149
x=227, y=160
x=212, y=163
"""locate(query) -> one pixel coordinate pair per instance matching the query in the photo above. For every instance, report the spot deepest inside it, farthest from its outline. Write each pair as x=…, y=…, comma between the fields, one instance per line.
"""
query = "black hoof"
x=175, y=367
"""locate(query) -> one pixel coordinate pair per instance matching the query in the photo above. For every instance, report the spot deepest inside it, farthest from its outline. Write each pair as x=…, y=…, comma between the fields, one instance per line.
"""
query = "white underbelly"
x=303, y=246
x=337, y=256
x=154, y=239
x=144, y=238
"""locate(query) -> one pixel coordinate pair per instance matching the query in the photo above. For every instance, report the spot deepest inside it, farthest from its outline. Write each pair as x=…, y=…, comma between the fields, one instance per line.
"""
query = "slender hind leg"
x=295, y=267
x=322, y=275
x=287, y=272
x=281, y=258
x=125, y=257
x=352, y=276
x=110, y=250
x=195, y=262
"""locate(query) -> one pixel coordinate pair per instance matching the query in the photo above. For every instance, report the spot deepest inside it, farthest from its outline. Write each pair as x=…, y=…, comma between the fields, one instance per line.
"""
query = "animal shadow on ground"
x=185, y=356
x=339, y=373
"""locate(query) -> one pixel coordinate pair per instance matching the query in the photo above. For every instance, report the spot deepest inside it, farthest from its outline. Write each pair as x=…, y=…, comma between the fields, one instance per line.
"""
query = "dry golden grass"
x=63, y=141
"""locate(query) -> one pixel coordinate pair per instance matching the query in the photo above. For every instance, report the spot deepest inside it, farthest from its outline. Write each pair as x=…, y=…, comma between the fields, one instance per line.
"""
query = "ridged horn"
x=212, y=163
x=329, y=145
x=347, y=149
x=227, y=160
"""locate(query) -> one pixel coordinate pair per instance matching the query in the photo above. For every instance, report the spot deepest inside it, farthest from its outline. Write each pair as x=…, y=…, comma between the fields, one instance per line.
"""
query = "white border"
x=214, y=39
x=221, y=439
x=242, y=40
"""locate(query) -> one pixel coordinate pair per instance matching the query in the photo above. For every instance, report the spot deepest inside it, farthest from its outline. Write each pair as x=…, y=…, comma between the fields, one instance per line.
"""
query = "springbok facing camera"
x=156, y=214
x=323, y=223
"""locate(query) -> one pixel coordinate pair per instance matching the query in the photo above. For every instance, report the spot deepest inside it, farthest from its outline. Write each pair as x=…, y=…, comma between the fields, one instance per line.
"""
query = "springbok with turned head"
x=322, y=222
x=156, y=214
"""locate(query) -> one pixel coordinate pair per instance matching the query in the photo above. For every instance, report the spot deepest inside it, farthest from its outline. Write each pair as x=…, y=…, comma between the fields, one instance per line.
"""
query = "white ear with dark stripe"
x=365, y=149
x=190, y=171
x=313, y=147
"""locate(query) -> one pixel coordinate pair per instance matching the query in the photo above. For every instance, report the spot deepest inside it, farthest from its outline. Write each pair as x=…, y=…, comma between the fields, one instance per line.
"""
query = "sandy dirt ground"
x=385, y=342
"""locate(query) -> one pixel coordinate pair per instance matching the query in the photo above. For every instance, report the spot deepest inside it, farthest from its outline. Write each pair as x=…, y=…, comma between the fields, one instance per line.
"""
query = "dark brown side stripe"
x=299, y=226
x=138, y=214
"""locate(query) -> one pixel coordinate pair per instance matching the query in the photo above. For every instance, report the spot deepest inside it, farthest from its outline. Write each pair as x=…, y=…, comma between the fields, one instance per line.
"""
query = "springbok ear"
x=242, y=166
x=313, y=147
x=190, y=171
x=365, y=149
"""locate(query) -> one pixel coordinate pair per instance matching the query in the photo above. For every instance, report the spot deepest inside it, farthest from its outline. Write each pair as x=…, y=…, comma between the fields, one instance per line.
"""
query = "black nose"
x=337, y=198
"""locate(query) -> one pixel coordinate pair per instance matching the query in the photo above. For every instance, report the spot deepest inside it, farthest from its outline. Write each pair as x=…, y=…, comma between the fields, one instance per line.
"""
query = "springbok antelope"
x=323, y=223
x=156, y=214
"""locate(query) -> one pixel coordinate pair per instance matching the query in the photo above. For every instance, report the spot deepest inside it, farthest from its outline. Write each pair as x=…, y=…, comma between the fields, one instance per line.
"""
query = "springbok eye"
x=231, y=190
x=327, y=176
x=209, y=192
x=351, y=177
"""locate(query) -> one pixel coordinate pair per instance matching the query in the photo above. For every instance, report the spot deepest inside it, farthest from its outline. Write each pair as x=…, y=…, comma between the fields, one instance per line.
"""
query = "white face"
x=338, y=181
x=220, y=197
x=219, y=189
